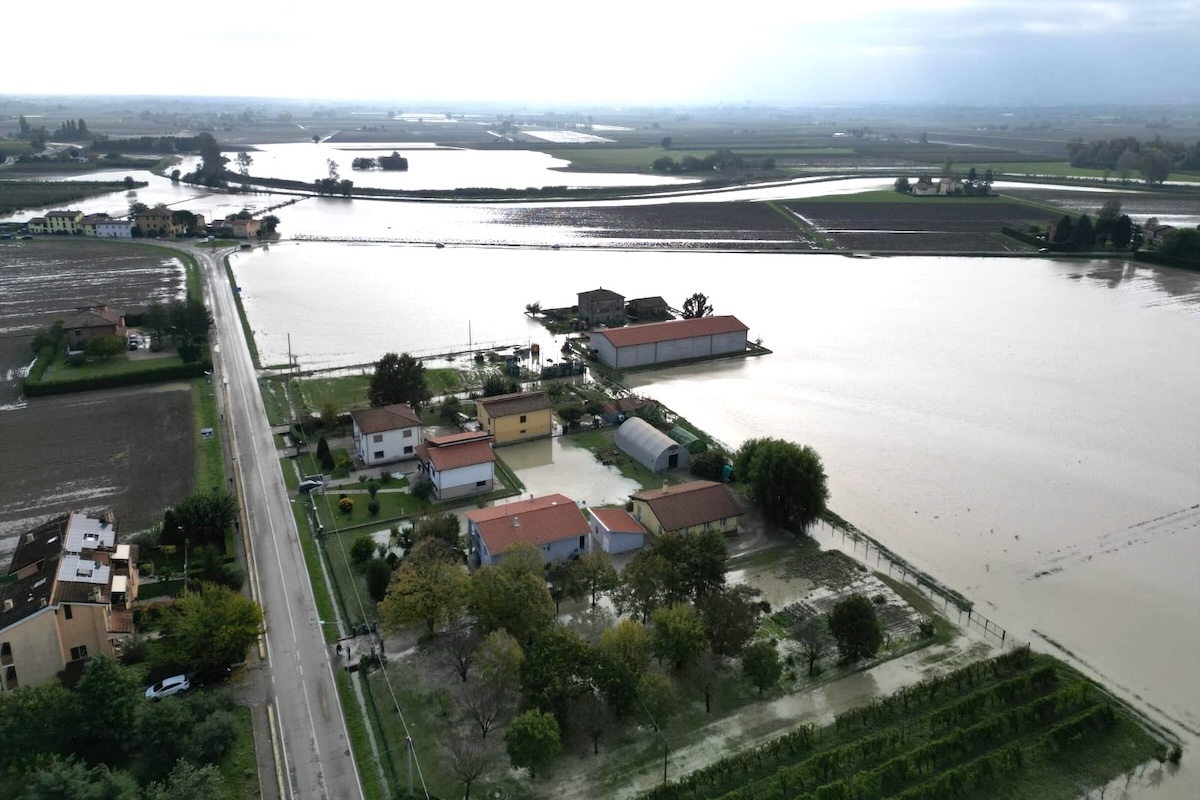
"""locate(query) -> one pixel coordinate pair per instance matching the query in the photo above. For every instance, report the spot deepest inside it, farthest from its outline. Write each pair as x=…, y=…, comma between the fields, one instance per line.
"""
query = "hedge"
x=35, y=387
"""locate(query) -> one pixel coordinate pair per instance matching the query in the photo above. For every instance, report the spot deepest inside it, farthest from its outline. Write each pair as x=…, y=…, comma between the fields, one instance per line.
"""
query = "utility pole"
x=185, y=565
x=408, y=746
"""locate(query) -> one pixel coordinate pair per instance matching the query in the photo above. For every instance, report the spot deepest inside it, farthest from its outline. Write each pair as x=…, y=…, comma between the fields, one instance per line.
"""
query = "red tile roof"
x=505, y=405
x=671, y=330
x=692, y=503
x=617, y=519
x=454, y=438
x=385, y=418
x=537, y=522
x=456, y=454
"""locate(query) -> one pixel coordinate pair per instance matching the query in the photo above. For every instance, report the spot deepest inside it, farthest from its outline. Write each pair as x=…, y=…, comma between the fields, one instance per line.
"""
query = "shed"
x=614, y=530
x=691, y=442
x=649, y=446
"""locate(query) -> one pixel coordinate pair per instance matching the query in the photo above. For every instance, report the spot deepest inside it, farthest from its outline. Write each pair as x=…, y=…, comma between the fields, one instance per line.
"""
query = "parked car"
x=308, y=484
x=168, y=687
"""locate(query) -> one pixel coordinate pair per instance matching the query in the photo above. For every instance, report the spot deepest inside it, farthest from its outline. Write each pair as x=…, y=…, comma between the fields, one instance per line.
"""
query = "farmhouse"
x=67, y=222
x=687, y=508
x=245, y=228
x=615, y=531
x=114, y=229
x=515, y=417
x=674, y=340
x=66, y=597
x=601, y=307
x=459, y=464
x=650, y=447
x=553, y=524
x=643, y=308
x=157, y=221
x=387, y=433
x=92, y=322
x=87, y=225
x=38, y=225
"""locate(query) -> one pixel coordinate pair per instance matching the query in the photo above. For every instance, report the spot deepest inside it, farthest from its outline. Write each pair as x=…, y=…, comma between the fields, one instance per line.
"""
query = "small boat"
x=439, y=245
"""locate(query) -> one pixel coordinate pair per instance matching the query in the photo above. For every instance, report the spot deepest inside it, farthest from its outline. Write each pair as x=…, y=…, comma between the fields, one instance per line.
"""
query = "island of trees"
x=395, y=162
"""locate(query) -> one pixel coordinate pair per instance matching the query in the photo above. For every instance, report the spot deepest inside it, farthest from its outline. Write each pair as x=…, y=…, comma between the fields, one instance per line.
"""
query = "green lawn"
x=601, y=442
x=392, y=505
x=275, y=400
x=372, y=787
x=119, y=364
x=210, y=456
x=240, y=767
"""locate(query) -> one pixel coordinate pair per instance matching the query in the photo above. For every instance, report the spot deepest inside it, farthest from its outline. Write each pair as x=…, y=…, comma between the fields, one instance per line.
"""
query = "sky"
x=622, y=52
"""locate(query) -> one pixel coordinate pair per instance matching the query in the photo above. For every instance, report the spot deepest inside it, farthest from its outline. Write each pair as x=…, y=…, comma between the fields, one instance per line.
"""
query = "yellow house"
x=516, y=417
x=687, y=508
x=66, y=597
x=67, y=222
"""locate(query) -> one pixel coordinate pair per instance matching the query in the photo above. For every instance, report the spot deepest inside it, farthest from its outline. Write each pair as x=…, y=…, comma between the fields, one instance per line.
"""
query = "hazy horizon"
x=858, y=52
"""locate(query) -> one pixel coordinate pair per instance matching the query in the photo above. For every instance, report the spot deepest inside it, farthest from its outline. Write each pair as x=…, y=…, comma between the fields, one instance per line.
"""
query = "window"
x=377, y=438
x=583, y=542
x=377, y=454
x=408, y=450
x=408, y=433
x=79, y=652
x=522, y=430
x=481, y=483
x=67, y=611
x=522, y=419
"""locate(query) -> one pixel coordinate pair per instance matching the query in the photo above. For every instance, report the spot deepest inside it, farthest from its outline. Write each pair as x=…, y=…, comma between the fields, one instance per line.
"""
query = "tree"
x=592, y=716
x=324, y=455
x=68, y=779
x=595, y=573
x=1127, y=162
x=856, y=628
x=499, y=660
x=32, y=722
x=270, y=223
x=329, y=417
x=666, y=141
x=709, y=465
x=658, y=697
x=428, y=588
x=622, y=656
x=202, y=518
x=187, y=782
x=212, y=627
x=1110, y=211
x=443, y=526
x=811, y=634
x=1063, y=230
x=786, y=481
x=1122, y=231
x=469, y=760
x=558, y=667
x=23, y=124
x=1182, y=243
x=398, y=379
x=379, y=576
x=902, y=185
x=924, y=137
x=332, y=167
x=1155, y=165
x=457, y=650
x=532, y=740
x=1084, y=234
x=495, y=384
x=570, y=414
x=105, y=700
x=697, y=306
x=696, y=562
x=105, y=347
x=731, y=617
x=760, y=663
x=641, y=588
x=678, y=634
x=244, y=160
x=513, y=594
x=562, y=582
x=362, y=550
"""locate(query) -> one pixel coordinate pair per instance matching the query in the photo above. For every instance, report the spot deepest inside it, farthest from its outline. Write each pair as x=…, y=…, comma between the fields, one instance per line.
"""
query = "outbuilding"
x=650, y=447
x=666, y=342
x=614, y=530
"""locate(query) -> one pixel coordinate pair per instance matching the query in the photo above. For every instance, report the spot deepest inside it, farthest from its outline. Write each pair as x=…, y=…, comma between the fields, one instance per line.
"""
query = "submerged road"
x=315, y=757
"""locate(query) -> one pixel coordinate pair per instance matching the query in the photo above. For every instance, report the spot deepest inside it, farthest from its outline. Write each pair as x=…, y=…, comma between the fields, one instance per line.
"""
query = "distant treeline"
x=393, y=162
x=1154, y=159
x=149, y=144
x=720, y=160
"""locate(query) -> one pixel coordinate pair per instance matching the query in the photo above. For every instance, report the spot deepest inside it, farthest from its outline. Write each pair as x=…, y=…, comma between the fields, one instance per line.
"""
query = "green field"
x=639, y=159
x=1019, y=726
x=889, y=196
x=16, y=196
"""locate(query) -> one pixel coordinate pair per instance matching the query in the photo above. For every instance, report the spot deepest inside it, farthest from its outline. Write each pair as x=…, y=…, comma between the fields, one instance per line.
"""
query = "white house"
x=114, y=229
x=459, y=464
x=387, y=433
x=553, y=524
x=614, y=530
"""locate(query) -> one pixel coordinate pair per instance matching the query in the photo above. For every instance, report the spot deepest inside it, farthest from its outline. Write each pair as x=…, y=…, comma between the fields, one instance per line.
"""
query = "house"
x=63, y=222
x=515, y=417
x=642, y=308
x=601, y=307
x=386, y=433
x=91, y=322
x=245, y=228
x=66, y=597
x=924, y=187
x=1154, y=232
x=87, y=225
x=687, y=508
x=650, y=447
x=38, y=225
x=614, y=530
x=553, y=524
x=618, y=410
x=157, y=221
x=950, y=186
x=459, y=464
x=674, y=340
x=114, y=229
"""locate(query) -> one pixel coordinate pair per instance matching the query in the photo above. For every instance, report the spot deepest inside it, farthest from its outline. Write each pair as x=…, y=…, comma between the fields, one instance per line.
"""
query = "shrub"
x=373, y=507
x=708, y=465
x=385, y=476
x=879, y=599
x=422, y=489
x=372, y=488
x=346, y=505
x=362, y=550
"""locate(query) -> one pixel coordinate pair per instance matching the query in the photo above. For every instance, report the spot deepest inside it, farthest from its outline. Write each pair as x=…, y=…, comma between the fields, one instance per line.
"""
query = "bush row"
x=35, y=387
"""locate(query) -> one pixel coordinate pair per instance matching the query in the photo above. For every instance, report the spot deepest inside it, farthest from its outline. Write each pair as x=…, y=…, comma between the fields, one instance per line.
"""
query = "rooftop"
x=671, y=330
x=536, y=521
x=385, y=418
x=453, y=455
x=505, y=405
x=691, y=503
x=617, y=519
x=89, y=533
x=600, y=294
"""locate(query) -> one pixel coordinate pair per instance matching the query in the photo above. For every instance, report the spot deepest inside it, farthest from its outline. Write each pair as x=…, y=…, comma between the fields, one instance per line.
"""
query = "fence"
x=900, y=569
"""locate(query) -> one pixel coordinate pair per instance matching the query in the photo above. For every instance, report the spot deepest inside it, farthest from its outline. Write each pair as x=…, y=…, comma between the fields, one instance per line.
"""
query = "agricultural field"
x=129, y=450
x=47, y=278
x=681, y=225
x=1173, y=209
x=892, y=222
x=1016, y=726
x=18, y=195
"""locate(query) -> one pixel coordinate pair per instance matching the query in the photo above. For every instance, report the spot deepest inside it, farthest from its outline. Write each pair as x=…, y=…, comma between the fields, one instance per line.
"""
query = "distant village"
x=157, y=222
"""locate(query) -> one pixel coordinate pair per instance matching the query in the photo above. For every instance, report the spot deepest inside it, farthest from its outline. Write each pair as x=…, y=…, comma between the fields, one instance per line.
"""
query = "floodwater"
x=554, y=465
x=989, y=419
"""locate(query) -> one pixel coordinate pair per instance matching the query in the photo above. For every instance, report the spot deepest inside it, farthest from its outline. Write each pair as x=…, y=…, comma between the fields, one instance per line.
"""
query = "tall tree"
x=697, y=306
x=1155, y=165
x=457, y=649
x=1084, y=234
x=244, y=160
x=68, y=779
x=641, y=588
x=515, y=600
x=731, y=617
x=469, y=760
x=1127, y=162
x=428, y=589
x=811, y=633
x=1064, y=230
x=202, y=518
x=563, y=585
x=658, y=696
x=533, y=740
x=558, y=667
x=785, y=480
x=856, y=628
x=1122, y=231
x=622, y=656
x=105, y=700
x=761, y=664
x=591, y=715
x=499, y=659
x=212, y=627
x=187, y=782
x=678, y=634
x=398, y=379
x=595, y=573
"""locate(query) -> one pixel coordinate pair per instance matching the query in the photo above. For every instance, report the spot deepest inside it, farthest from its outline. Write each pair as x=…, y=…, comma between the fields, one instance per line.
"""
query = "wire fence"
x=873, y=554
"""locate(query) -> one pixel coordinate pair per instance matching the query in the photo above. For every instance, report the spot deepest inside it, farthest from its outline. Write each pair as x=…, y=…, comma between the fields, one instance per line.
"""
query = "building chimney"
x=516, y=522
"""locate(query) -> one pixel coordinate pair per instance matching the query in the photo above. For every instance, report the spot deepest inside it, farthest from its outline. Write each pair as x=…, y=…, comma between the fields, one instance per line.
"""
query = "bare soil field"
x=693, y=225
x=47, y=278
x=1172, y=209
x=938, y=226
x=129, y=450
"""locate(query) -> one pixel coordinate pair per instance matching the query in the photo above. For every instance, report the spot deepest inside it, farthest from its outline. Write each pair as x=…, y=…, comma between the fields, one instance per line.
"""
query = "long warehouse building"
x=666, y=342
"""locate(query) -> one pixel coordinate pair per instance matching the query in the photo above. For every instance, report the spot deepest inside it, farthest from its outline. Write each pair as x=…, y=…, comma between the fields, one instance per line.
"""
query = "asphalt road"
x=315, y=754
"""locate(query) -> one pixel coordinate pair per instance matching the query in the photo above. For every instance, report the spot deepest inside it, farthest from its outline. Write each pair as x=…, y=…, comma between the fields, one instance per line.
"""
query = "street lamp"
x=185, y=560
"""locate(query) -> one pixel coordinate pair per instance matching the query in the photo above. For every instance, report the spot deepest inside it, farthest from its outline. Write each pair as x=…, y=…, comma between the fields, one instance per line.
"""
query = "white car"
x=176, y=684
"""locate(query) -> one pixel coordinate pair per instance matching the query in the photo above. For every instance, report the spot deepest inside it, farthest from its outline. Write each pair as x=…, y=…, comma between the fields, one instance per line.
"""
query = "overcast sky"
x=617, y=51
